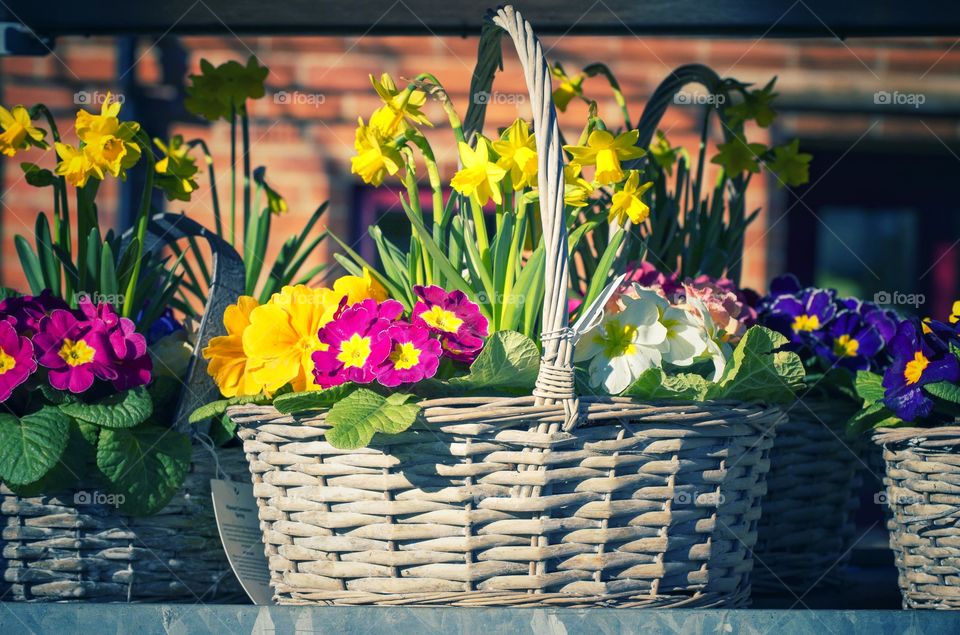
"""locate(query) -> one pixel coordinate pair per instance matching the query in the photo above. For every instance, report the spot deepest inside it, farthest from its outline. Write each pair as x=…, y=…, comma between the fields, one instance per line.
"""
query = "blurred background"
x=880, y=117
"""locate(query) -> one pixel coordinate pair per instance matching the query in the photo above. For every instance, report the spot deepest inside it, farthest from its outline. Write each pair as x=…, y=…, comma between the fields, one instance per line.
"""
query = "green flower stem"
x=601, y=69
x=702, y=157
x=480, y=228
x=436, y=185
x=413, y=194
x=143, y=218
x=208, y=159
x=61, y=216
x=86, y=221
x=446, y=103
x=516, y=242
x=233, y=175
x=245, y=131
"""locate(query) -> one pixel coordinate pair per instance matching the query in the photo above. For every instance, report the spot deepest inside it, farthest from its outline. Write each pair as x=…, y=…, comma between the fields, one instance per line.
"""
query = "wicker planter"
x=59, y=548
x=923, y=495
x=65, y=547
x=807, y=527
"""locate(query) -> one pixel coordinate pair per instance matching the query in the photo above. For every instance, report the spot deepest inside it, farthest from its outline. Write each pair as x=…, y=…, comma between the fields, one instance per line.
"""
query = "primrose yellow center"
x=354, y=351
x=845, y=346
x=6, y=362
x=915, y=368
x=806, y=322
x=441, y=319
x=405, y=356
x=76, y=353
x=616, y=339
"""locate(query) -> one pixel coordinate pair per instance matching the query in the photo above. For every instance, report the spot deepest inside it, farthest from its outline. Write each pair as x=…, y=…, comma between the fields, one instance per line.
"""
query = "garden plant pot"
x=923, y=496
x=807, y=526
x=549, y=499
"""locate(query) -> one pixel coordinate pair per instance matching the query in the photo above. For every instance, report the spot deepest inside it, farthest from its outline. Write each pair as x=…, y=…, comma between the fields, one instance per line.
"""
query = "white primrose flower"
x=622, y=345
x=686, y=339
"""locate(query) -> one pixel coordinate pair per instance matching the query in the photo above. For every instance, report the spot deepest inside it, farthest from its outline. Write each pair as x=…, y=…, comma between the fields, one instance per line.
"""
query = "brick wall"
x=307, y=146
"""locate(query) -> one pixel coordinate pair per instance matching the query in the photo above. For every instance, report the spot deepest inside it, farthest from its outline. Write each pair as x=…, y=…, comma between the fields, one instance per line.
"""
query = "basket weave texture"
x=923, y=495
x=807, y=528
x=60, y=547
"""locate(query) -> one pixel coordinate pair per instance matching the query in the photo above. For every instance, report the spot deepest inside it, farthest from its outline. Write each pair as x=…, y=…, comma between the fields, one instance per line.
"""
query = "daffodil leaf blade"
x=509, y=363
x=363, y=413
x=145, y=465
x=119, y=410
x=31, y=445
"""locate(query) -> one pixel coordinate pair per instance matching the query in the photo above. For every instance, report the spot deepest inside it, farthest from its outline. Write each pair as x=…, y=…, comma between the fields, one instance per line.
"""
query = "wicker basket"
x=508, y=501
x=59, y=548
x=807, y=529
x=923, y=495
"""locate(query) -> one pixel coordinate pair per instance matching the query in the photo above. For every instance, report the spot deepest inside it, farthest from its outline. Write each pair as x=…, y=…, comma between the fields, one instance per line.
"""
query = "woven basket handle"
x=226, y=284
x=555, y=381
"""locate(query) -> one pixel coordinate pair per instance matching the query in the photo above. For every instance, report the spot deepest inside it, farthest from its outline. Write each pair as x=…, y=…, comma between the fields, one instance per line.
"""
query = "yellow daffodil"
x=791, y=166
x=663, y=153
x=231, y=368
x=576, y=190
x=627, y=203
x=175, y=171
x=19, y=132
x=74, y=165
x=480, y=177
x=568, y=88
x=756, y=106
x=376, y=157
x=606, y=152
x=736, y=156
x=283, y=335
x=399, y=106
x=108, y=142
x=359, y=288
x=518, y=154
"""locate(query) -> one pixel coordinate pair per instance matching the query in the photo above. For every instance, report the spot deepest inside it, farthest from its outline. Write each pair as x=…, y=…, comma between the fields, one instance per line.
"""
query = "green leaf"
x=120, y=410
x=77, y=465
x=222, y=430
x=31, y=445
x=363, y=413
x=216, y=409
x=312, y=399
x=874, y=416
x=869, y=386
x=944, y=390
x=30, y=265
x=758, y=372
x=653, y=383
x=146, y=465
x=509, y=362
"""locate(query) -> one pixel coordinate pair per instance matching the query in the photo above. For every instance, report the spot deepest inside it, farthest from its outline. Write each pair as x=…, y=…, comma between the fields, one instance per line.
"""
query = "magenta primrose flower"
x=75, y=351
x=454, y=318
x=130, y=359
x=16, y=359
x=356, y=343
x=26, y=311
x=414, y=355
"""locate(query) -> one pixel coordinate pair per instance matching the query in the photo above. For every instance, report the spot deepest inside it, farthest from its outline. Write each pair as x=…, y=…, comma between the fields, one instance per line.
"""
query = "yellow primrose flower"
x=282, y=336
x=569, y=87
x=479, y=177
x=399, y=106
x=19, y=132
x=606, y=152
x=955, y=312
x=376, y=157
x=791, y=166
x=576, y=189
x=108, y=142
x=230, y=366
x=175, y=171
x=736, y=156
x=627, y=203
x=75, y=166
x=518, y=154
x=359, y=288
